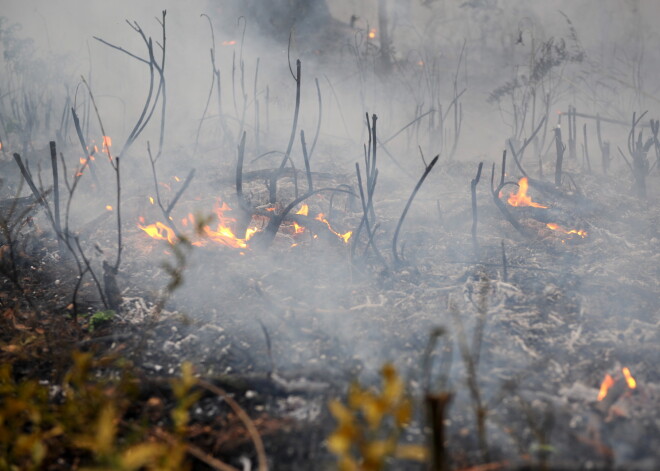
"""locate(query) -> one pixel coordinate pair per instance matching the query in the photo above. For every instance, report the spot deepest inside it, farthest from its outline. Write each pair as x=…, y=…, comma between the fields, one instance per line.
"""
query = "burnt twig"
x=473, y=190
x=427, y=170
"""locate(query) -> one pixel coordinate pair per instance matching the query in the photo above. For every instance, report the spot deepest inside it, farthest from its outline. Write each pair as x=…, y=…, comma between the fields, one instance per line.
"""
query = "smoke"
x=458, y=79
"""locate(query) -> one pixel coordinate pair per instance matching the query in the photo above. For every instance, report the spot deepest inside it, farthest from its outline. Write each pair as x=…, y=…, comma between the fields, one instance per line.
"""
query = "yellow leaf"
x=403, y=413
x=339, y=443
x=106, y=430
x=346, y=463
x=142, y=454
x=412, y=452
x=374, y=409
x=340, y=412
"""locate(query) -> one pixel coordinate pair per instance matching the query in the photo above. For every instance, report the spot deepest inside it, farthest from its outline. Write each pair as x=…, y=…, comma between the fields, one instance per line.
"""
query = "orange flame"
x=557, y=227
x=228, y=43
x=304, y=210
x=108, y=207
x=223, y=234
x=344, y=237
x=608, y=382
x=159, y=231
x=521, y=198
x=107, y=143
x=632, y=384
x=372, y=33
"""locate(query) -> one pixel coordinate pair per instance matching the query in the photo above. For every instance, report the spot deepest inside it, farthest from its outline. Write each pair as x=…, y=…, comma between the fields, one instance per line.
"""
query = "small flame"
x=557, y=227
x=608, y=382
x=632, y=384
x=521, y=198
x=372, y=33
x=108, y=207
x=83, y=161
x=228, y=43
x=107, y=143
x=159, y=231
x=223, y=234
x=151, y=199
x=177, y=178
x=298, y=229
x=344, y=237
x=304, y=210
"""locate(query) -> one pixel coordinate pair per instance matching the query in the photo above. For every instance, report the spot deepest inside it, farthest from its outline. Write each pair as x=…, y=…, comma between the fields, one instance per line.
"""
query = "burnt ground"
x=287, y=328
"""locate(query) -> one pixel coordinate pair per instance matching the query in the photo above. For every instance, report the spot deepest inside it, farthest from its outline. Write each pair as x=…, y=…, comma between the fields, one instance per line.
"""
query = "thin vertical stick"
x=560, y=155
x=56, y=188
x=473, y=189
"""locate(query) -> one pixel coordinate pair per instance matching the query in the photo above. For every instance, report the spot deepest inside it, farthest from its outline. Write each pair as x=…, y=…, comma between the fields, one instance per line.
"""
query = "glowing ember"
x=522, y=198
x=557, y=227
x=228, y=43
x=608, y=382
x=372, y=33
x=151, y=199
x=108, y=207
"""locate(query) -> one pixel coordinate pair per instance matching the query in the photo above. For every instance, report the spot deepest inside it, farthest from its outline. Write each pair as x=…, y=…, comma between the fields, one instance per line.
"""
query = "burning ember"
x=372, y=33
x=557, y=227
x=609, y=381
x=522, y=198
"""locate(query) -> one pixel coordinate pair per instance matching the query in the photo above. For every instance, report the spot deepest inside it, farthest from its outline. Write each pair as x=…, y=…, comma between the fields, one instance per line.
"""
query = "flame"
x=177, y=178
x=151, y=199
x=159, y=231
x=521, y=198
x=632, y=384
x=108, y=207
x=608, y=382
x=304, y=210
x=228, y=43
x=223, y=234
x=557, y=227
x=344, y=237
x=372, y=33
x=107, y=143
x=297, y=228
x=0, y=145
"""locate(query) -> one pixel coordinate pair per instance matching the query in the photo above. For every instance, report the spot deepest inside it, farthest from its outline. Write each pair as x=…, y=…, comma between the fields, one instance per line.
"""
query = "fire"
x=223, y=234
x=304, y=210
x=108, y=207
x=372, y=33
x=344, y=237
x=522, y=198
x=609, y=381
x=159, y=231
x=632, y=384
x=107, y=143
x=228, y=43
x=557, y=227
x=151, y=199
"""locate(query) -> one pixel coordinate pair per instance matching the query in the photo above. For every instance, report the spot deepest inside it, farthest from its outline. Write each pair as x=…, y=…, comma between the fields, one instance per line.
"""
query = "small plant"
x=370, y=424
x=90, y=421
x=100, y=318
